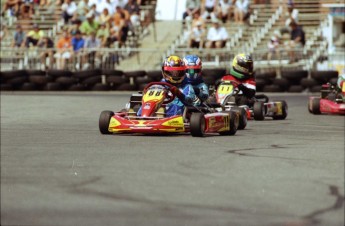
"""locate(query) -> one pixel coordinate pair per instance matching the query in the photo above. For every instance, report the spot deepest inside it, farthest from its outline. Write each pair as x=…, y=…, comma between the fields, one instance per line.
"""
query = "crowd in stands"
x=200, y=13
x=88, y=24
x=295, y=33
x=205, y=22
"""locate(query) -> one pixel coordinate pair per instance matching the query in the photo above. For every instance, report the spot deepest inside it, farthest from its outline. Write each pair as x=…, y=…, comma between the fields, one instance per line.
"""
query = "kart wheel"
x=315, y=106
x=242, y=117
x=259, y=111
x=233, y=123
x=104, y=120
x=197, y=124
x=284, y=111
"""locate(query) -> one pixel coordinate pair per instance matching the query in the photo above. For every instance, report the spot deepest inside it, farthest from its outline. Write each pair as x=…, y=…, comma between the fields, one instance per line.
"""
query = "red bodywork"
x=330, y=107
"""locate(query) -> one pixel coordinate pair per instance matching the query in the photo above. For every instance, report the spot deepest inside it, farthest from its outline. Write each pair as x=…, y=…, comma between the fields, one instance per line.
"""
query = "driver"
x=242, y=74
x=173, y=71
x=193, y=76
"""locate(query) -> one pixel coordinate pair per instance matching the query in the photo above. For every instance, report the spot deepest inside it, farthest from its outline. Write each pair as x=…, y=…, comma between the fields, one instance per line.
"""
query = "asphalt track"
x=57, y=169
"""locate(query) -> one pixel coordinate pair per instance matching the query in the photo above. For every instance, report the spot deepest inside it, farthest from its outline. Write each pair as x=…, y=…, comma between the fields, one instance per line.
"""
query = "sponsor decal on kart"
x=114, y=122
x=279, y=108
x=176, y=122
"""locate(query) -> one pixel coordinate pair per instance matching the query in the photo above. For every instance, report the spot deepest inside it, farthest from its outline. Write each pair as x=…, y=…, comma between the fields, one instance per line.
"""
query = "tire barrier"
x=109, y=79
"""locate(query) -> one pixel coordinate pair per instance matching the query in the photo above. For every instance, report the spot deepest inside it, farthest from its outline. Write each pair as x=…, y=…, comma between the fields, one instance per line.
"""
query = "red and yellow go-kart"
x=227, y=93
x=153, y=120
x=330, y=102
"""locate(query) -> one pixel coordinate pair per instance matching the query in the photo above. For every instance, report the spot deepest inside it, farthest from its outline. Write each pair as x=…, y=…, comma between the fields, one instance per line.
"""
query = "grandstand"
x=150, y=42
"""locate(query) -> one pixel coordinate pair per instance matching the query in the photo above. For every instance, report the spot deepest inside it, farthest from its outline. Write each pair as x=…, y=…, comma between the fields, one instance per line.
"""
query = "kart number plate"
x=225, y=88
x=154, y=94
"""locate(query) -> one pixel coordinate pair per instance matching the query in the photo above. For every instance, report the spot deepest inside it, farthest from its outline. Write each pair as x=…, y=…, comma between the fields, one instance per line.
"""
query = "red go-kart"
x=153, y=120
x=330, y=102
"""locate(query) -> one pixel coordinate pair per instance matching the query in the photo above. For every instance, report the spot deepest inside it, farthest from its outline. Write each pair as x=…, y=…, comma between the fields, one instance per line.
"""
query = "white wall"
x=170, y=9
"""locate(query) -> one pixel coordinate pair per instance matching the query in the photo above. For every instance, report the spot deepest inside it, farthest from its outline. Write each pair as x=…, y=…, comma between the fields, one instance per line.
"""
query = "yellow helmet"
x=242, y=66
x=173, y=70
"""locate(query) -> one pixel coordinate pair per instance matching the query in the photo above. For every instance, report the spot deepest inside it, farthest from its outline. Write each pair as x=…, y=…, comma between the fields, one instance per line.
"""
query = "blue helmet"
x=193, y=67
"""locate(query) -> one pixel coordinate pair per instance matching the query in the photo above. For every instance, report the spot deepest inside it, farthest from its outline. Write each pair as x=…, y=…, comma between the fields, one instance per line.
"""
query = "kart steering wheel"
x=170, y=95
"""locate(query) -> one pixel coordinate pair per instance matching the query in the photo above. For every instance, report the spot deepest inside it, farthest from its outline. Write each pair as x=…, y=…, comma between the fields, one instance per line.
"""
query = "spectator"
x=297, y=41
x=216, y=36
x=121, y=24
x=47, y=45
x=77, y=42
x=3, y=32
x=132, y=8
x=225, y=9
x=292, y=15
x=209, y=8
x=68, y=10
x=274, y=46
x=19, y=37
x=192, y=6
x=89, y=25
x=27, y=8
x=12, y=5
x=92, y=44
x=197, y=36
x=197, y=19
x=93, y=11
x=74, y=27
x=120, y=14
x=83, y=7
x=34, y=36
x=103, y=34
x=64, y=50
x=241, y=10
x=100, y=5
x=105, y=18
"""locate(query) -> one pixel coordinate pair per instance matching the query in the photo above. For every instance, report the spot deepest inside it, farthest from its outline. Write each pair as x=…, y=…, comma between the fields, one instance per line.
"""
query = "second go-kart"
x=261, y=107
x=330, y=101
x=153, y=120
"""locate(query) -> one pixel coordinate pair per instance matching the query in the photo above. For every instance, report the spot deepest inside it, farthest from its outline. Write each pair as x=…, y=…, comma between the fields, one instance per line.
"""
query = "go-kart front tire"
x=197, y=124
x=284, y=111
x=315, y=106
x=104, y=120
x=233, y=123
x=243, y=118
x=259, y=111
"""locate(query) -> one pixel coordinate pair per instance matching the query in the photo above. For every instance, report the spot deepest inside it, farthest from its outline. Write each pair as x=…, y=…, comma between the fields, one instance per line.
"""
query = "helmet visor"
x=192, y=71
x=175, y=75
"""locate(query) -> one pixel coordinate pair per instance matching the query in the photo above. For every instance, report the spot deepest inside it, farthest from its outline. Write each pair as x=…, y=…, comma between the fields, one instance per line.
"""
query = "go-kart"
x=330, y=101
x=258, y=108
x=153, y=119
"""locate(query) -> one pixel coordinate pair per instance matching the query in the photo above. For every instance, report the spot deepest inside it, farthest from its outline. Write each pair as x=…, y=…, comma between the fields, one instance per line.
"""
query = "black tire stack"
x=109, y=79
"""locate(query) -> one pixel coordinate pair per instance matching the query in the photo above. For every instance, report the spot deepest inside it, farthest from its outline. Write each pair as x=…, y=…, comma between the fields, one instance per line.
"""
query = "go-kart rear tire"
x=233, y=123
x=197, y=124
x=284, y=111
x=259, y=111
x=315, y=106
x=104, y=120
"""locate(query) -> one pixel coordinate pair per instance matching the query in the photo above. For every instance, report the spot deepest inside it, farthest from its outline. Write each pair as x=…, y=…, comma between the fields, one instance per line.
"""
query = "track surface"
x=57, y=169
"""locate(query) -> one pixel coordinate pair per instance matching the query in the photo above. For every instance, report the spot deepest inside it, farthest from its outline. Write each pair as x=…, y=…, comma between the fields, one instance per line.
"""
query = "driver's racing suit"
x=200, y=89
x=176, y=107
x=247, y=89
